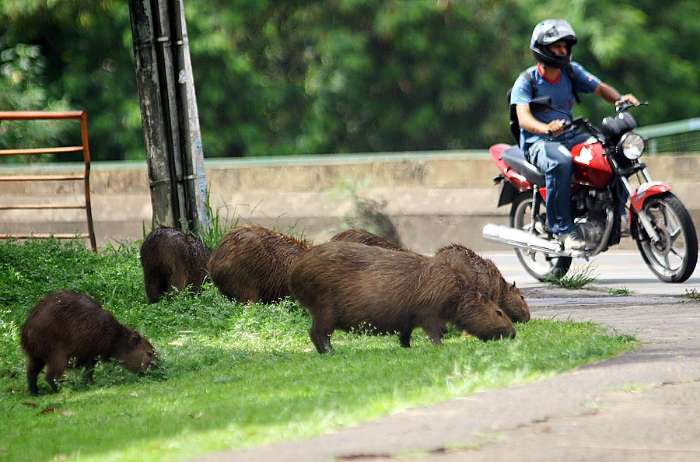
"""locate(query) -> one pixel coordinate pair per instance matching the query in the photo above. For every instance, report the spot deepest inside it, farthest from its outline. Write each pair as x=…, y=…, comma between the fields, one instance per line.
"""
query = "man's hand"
x=555, y=127
x=628, y=98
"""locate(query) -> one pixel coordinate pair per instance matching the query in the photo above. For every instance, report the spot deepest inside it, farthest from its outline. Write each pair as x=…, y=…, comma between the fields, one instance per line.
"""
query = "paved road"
x=642, y=406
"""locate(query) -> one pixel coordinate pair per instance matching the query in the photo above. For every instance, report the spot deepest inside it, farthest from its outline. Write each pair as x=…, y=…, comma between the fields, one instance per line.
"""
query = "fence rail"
x=84, y=148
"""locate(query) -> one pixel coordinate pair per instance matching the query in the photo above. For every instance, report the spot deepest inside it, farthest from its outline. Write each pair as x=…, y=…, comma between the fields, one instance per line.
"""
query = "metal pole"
x=169, y=114
x=193, y=154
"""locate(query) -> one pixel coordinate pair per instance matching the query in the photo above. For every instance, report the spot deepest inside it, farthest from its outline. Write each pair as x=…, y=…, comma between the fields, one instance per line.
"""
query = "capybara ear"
x=134, y=339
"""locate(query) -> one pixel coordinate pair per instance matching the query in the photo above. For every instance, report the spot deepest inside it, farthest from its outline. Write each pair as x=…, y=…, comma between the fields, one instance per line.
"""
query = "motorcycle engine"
x=591, y=206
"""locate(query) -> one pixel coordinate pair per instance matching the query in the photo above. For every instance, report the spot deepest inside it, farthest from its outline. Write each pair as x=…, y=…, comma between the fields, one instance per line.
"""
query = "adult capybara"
x=485, y=276
x=346, y=285
x=70, y=326
x=172, y=259
x=362, y=236
x=252, y=263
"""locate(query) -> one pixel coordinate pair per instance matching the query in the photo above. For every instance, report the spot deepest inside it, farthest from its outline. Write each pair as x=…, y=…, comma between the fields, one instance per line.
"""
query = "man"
x=542, y=135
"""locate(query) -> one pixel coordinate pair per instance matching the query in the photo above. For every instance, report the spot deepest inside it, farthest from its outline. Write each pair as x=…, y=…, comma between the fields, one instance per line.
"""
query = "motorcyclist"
x=542, y=136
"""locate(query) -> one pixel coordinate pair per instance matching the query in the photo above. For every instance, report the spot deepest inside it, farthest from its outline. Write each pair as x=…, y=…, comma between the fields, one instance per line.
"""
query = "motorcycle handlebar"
x=624, y=105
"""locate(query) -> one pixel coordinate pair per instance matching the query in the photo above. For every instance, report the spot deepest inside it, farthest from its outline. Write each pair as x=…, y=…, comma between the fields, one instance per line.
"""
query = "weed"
x=692, y=294
x=575, y=279
x=619, y=291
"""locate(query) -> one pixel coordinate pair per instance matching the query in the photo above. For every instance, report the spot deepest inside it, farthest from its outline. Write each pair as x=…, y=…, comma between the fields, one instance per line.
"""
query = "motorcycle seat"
x=515, y=157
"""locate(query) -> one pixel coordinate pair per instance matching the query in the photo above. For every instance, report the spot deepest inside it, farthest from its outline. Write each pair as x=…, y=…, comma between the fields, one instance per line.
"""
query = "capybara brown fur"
x=172, y=259
x=346, y=285
x=485, y=276
x=362, y=236
x=252, y=263
x=67, y=326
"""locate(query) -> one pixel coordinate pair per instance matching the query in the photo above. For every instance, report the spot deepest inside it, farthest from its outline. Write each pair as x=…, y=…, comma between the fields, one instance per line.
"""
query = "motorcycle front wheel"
x=539, y=265
x=674, y=256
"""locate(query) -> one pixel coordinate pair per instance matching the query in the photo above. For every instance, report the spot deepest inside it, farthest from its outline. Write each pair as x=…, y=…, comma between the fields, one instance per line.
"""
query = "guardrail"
x=84, y=148
x=679, y=127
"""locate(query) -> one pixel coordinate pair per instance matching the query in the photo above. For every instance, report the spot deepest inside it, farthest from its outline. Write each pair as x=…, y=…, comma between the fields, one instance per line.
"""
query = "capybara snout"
x=482, y=318
x=484, y=275
x=139, y=356
x=68, y=326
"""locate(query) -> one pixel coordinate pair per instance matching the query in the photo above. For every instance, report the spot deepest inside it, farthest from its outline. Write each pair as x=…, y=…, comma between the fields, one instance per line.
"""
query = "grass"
x=692, y=294
x=236, y=375
x=576, y=278
x=619, y=291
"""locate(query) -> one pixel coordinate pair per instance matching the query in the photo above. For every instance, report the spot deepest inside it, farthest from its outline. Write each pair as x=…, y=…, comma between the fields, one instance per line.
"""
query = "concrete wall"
x=432, y=198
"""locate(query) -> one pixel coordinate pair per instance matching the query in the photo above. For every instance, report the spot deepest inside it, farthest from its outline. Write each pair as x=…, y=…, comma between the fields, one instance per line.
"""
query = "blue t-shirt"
x=560, y=93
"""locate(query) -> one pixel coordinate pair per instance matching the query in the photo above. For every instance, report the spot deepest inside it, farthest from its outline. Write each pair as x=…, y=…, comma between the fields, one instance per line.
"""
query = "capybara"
x=484, y=274
x=347, y=285
x=68, y=325
x=252, y=263
x=172, y=259
x=362, y=236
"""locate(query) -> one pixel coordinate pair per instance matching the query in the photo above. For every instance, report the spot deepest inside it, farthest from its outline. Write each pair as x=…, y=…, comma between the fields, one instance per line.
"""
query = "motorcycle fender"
x=508, y=193
x=647, y=190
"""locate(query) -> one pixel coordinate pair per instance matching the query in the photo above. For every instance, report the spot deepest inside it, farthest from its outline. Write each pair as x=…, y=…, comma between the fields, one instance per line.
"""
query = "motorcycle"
x=606, y=163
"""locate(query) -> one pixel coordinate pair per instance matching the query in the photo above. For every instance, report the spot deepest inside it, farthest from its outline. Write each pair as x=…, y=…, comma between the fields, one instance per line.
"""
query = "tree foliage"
x=302, y=76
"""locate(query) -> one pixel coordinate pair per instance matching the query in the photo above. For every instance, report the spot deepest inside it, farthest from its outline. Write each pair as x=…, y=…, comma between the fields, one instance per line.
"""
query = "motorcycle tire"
x=668, y=261
x=539, y=265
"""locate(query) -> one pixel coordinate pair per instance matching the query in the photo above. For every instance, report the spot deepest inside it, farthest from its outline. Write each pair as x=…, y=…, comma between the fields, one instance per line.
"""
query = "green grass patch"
x=619, y=291
x=576, y=278
x=236, y=375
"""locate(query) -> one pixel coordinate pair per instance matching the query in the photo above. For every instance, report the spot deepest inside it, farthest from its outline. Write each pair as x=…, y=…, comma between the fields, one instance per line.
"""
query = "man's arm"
x=528, y=122
x=611, y=95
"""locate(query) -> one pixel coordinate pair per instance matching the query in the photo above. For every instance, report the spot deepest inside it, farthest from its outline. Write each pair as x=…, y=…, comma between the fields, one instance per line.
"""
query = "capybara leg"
x=56, y=365
x=435, y=331
x=88, y=371
x=405, y=338
x=154, y=288
x=248, y=294
x=34, y=366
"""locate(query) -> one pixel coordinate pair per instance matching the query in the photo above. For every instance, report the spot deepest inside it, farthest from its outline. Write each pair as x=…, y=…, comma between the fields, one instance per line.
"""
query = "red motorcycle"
x=606, y=163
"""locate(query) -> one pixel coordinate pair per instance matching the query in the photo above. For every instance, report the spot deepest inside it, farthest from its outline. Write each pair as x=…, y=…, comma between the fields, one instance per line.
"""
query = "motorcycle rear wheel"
x=674, y=257
x=538, y=264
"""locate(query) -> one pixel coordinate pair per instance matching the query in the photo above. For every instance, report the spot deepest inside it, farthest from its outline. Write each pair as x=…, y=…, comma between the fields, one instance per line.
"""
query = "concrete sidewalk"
x=642, y=406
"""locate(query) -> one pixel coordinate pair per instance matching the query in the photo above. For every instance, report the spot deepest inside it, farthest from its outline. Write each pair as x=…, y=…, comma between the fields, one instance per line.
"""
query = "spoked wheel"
x=540, y=265
x=674, y=256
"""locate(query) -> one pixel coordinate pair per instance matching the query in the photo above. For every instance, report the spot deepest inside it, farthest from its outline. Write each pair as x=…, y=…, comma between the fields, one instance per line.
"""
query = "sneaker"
x=573, y=240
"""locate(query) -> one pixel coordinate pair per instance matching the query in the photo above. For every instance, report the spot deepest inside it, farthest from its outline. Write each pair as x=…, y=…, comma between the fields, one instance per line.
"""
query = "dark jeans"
x=555, y=160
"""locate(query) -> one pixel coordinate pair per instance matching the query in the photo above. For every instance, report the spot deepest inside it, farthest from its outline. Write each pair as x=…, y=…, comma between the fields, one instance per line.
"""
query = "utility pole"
x=169, y=114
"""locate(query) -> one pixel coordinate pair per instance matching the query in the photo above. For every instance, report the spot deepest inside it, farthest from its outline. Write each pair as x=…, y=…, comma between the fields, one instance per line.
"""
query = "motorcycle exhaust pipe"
x=523, y=239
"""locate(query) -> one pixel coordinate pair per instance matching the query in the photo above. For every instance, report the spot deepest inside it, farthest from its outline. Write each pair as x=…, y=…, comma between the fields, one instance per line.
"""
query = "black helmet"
x=546, y=33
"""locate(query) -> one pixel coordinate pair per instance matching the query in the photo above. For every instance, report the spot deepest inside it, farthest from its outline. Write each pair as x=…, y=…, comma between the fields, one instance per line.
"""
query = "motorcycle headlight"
x=632, y=145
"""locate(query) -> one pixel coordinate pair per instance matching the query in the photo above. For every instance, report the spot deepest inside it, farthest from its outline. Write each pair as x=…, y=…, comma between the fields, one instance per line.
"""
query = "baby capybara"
x=485, y=276
x=346, y=285
x=172, y=259
x=252, y=264
x=365, y=237
x=70, y=326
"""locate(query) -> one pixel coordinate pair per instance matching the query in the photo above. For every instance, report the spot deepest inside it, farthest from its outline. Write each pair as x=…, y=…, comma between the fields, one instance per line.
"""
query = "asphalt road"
x=642, y=406
x=613, y=270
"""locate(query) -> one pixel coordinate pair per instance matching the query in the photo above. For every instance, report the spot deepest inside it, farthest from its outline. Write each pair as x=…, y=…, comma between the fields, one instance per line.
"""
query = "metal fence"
x=680, y=136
